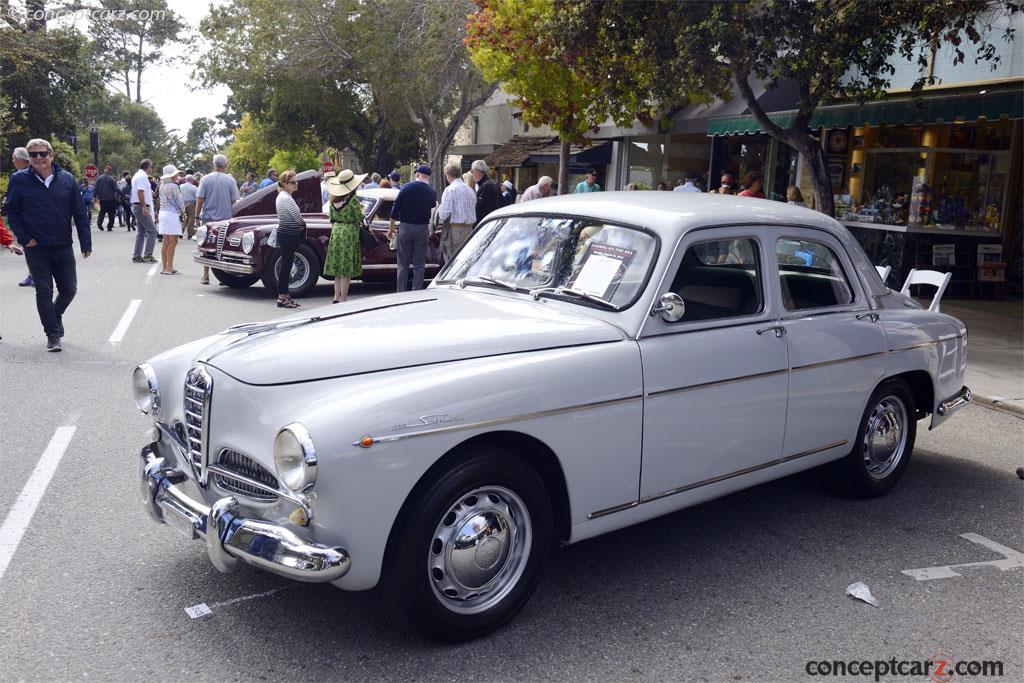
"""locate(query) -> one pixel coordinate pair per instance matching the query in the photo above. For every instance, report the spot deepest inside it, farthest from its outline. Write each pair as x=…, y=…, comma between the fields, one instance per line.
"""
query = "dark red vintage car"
x=239, y=255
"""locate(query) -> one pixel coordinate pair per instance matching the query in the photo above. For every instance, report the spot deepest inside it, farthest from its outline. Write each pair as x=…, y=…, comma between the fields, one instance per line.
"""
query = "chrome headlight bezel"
x=201, y=234
x=146, y=390
x=248, y=242
x=295, y=458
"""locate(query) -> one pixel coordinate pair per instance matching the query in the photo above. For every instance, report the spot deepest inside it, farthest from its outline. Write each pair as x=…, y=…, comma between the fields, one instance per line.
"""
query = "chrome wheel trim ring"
x=885, y=437
x=479, y=550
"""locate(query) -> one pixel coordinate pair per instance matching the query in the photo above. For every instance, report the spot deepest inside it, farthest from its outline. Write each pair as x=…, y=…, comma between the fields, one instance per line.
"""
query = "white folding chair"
x=884, y=272
x=928, y=277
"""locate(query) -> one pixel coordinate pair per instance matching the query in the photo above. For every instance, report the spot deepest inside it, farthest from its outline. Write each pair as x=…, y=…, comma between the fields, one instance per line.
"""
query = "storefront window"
x=942, y=177
x=667, y=158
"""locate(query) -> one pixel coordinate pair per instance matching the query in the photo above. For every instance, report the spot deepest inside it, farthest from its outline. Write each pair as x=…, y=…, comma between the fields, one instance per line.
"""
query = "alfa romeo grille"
x=246, y=467
x=222, y=234
x=198, y=385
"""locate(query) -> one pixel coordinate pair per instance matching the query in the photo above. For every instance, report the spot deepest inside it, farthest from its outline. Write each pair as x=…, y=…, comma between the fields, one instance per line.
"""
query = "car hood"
x=401, y=330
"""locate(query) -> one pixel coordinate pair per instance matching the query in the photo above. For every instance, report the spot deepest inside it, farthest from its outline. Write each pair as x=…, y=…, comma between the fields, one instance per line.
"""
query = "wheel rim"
x=885, y=437
x=479, y=550
x=300, y=271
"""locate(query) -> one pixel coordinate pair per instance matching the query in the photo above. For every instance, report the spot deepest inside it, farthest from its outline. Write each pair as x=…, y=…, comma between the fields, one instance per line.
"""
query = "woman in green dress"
x=344, y=254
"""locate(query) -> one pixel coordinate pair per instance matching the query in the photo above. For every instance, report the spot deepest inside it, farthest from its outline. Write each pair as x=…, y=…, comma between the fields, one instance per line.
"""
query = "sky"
x=167, y=87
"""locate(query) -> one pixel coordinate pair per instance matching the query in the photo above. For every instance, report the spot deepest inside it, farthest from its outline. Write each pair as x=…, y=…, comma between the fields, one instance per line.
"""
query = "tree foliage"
x=129, y=37
x=830, y=49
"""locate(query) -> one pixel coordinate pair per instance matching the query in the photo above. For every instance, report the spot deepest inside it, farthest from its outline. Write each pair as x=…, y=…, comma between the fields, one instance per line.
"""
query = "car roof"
x=385, y=193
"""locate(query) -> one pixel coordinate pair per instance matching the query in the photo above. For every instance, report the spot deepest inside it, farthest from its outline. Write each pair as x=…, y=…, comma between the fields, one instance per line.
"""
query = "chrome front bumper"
x=226, y=266
x=962, y=398
x=229, y=537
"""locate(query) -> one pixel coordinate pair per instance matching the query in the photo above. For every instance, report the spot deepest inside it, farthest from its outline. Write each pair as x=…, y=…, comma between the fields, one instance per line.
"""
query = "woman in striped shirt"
x=291, y=230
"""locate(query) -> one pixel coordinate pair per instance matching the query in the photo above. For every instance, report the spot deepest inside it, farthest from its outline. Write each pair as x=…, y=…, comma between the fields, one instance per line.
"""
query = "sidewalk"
x=995, y=351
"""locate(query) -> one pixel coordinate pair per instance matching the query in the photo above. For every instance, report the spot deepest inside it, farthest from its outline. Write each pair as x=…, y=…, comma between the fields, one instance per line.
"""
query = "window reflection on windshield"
x=607, y=261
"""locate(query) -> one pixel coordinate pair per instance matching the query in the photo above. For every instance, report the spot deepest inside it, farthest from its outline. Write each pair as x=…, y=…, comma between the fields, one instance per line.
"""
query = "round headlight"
x=248, y=240
x=144, y=386
x=201, y=234
x=295, y=458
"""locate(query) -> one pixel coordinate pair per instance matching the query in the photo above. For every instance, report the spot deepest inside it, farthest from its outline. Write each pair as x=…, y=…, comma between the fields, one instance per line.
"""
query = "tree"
x=128, y=36
x=523, y=45
x=831, y=50
x=146, y=127
x=117, y=148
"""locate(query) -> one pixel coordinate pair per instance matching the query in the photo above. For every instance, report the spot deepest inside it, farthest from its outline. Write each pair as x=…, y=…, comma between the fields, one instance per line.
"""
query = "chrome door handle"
x=779, y=330
x=872, y=316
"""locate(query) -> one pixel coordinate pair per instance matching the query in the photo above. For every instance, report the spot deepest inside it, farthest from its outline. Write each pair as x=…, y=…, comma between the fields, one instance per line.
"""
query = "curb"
x=1000, y=404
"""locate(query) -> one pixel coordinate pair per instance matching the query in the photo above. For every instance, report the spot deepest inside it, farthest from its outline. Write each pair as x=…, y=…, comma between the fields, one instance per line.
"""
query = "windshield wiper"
x=478, y=279
x=578, y=293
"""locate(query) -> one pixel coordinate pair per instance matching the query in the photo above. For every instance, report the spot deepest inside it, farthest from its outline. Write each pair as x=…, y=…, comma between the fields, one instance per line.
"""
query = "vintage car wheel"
x=233, y=280
x=305, y=271
x=885, y=441
x=465, y=554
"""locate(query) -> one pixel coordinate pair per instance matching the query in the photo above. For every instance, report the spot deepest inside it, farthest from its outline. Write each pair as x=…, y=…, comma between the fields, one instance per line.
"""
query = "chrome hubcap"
x=479, y=549
x=885, y=437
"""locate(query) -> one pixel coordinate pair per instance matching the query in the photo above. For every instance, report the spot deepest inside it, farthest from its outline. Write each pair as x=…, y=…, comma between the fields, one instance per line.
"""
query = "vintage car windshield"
x=596, y=259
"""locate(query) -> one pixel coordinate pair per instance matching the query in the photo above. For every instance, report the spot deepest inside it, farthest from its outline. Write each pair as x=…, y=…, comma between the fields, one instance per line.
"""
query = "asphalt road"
x=746, y=588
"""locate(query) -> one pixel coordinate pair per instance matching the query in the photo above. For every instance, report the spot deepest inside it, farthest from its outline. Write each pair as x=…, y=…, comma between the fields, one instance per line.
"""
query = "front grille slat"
x=196, y=391
x=245, y=467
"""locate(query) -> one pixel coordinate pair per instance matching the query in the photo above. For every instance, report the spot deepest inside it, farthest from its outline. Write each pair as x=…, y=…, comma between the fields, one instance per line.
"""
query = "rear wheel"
x=234, y=280
x=885, y=441
x=305, y=271
x=466, y=553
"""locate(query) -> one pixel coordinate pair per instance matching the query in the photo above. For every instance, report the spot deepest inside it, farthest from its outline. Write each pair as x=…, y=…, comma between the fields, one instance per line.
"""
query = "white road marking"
x=126, y=320
x=25, y=505
x=152, y=271
x=1012, y=559
x=202, y=609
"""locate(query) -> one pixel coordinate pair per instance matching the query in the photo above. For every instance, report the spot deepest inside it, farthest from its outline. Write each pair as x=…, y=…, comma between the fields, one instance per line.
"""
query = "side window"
x=720, y=279
x=811, y=275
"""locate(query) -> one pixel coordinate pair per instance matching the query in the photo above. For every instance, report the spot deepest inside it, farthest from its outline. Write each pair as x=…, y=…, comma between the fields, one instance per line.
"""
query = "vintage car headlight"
x=295, y=458
x=144, y=386
x=201, y=234
x=248, y=241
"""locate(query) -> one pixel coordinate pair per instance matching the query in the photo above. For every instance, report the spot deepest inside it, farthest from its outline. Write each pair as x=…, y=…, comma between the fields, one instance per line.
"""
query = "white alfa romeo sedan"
x=582, y=364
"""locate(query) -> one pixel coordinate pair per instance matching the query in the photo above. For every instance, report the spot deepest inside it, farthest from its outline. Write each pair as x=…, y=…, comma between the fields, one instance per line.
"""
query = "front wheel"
x=234, y=280
x=466, y=552
x=885, y=441
x=305, y=271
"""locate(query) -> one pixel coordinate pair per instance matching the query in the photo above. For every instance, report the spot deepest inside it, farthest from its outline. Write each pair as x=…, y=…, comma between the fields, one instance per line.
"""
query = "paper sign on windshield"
x=603, y=268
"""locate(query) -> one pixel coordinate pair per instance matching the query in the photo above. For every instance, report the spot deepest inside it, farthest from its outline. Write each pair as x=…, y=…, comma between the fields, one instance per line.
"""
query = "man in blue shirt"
x=412, y=210
x=269, y=180
x=41, y=202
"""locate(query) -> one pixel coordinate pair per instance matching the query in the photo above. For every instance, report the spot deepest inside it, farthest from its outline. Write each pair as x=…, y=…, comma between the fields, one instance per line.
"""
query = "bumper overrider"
x=959, y=400
x=231, y=538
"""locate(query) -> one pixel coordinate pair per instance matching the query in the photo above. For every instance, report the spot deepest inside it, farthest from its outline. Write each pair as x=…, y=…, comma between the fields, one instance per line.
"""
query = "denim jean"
x=287, y=243
x=412, y=252
x=48, y=265
x=146, y=229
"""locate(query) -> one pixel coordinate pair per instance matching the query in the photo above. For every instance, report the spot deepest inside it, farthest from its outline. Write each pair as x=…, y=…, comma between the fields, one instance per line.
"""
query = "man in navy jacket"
x=41, y=202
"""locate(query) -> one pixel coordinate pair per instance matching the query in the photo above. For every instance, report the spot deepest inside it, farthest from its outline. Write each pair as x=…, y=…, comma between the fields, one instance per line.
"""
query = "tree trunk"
x=563, y=167
x=138, y=72
x=810, y=148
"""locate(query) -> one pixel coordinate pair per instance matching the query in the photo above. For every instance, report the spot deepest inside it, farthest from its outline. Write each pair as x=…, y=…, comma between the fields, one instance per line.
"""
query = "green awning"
x=991, y=106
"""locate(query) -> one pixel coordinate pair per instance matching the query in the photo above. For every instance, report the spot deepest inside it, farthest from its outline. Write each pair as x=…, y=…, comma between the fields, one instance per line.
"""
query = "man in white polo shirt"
x=142, y=210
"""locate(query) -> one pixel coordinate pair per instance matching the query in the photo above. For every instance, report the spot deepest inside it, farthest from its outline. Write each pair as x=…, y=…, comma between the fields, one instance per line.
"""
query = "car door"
x=715, y=382
x=837, y=350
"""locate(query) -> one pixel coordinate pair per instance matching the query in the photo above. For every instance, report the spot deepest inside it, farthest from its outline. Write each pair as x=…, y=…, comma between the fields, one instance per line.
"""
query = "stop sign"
x=91, y=171
x=327, y=167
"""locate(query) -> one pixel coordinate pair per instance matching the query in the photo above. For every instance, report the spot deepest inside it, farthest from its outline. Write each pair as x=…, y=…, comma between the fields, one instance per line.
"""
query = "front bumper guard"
x=962, y=398
x=231, y=538
x=226, y=266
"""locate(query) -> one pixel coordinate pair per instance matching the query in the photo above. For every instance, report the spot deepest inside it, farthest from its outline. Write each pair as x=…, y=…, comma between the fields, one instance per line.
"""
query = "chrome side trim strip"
x=838, y=361
x=496, y=421
x=713, y=480
x=912, y=347
x=758, y=375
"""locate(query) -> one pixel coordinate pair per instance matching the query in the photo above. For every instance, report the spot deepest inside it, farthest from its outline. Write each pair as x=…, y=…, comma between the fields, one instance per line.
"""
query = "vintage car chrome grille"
x=198, y=385
x=234, y=241
x=248, y=468
x=222, y=235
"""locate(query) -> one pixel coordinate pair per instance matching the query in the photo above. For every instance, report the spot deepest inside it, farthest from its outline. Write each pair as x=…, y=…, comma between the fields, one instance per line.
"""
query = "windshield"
x=610, y=262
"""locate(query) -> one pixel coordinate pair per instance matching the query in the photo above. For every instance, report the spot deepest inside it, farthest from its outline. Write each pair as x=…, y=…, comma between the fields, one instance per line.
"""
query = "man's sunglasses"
x=44, y=153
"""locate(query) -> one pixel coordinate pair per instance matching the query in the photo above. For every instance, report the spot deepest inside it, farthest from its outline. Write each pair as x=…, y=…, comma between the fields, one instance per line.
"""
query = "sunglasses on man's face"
x=38, y=155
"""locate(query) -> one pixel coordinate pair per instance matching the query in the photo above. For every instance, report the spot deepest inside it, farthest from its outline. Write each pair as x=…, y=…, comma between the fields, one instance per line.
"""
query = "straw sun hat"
x=344, y=183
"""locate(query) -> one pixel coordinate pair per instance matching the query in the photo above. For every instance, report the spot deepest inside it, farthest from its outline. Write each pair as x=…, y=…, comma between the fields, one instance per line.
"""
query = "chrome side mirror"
x=671, y=306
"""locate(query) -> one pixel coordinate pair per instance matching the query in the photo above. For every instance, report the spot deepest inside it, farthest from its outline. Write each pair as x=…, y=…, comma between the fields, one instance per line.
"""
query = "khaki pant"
x=452, y=238
x=190, y=219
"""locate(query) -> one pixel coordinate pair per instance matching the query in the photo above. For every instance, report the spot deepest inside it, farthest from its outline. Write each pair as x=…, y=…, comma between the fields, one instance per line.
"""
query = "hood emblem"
x=427, y=421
